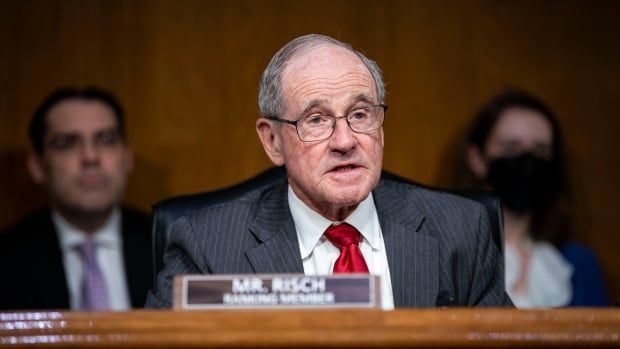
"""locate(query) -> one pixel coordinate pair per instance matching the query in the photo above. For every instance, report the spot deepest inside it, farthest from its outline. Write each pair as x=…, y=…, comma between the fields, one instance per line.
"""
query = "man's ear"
x=270, y=138
x=36, y=168
x=475, y=162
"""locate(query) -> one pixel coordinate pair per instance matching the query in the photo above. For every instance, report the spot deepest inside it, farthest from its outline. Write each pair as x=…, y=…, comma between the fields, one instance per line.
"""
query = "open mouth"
x=344, y=168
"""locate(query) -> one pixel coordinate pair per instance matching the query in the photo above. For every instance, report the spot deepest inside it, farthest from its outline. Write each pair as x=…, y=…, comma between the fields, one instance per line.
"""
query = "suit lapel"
x=51, y=291
x=412, y=253
x=278, y=248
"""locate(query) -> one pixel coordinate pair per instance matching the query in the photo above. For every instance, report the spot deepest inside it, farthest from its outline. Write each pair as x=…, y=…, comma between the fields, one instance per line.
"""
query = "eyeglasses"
x=68, y=142
x=317, y=127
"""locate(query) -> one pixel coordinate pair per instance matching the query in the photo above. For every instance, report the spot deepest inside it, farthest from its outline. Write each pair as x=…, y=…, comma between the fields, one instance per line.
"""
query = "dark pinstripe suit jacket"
x=436, y=243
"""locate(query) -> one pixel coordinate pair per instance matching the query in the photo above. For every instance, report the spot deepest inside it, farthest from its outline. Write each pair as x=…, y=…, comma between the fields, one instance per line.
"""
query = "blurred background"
x=187, y=74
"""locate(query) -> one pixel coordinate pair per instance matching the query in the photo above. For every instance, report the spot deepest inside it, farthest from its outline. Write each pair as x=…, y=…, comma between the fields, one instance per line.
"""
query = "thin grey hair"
x=270, y=100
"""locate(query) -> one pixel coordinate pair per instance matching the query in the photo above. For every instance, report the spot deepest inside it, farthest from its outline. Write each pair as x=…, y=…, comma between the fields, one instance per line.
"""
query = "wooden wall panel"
x=187, y=73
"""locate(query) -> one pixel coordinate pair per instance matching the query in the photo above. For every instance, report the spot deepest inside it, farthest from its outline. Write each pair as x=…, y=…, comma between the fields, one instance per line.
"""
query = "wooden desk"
x=444, y=328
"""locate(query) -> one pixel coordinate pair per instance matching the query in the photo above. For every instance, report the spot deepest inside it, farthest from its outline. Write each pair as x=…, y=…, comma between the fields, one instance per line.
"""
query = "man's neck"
x=337, y=214
x=88, y=222
x=334, y=213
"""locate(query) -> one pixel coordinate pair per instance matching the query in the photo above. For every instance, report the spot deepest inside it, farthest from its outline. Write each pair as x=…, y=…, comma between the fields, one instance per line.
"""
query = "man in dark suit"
x=86, y=251
x=322, y=106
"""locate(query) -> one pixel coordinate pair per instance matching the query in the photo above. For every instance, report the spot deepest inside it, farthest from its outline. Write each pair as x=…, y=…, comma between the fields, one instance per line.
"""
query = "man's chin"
x=349, y=196
x=90, y=207
x=350, y=184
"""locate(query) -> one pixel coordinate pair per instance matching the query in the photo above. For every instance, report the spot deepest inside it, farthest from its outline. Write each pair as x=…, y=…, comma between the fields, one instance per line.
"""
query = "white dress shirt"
x=319, y=255
x=109, y=258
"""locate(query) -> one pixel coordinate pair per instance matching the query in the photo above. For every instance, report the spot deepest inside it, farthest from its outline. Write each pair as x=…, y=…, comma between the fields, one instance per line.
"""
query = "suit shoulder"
x=446, y=215
x=33, y=232
x=136, y=227
x=244, y=204
x=431, y=200
x=135, y=217
x=28, y=226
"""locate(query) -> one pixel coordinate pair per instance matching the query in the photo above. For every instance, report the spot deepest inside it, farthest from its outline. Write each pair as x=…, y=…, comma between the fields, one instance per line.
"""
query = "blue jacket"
x=587, y=281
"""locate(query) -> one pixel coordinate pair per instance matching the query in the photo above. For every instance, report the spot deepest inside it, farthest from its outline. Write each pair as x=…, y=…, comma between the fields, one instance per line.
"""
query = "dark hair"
x=38, y=123
x=552, y=223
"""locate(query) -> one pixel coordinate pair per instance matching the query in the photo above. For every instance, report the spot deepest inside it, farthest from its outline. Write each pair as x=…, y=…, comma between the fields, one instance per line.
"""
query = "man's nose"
x=343, y=138
x=90, y=153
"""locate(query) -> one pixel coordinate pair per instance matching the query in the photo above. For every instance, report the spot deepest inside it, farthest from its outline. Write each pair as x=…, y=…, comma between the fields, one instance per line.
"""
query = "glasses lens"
x=315, y=127
x=366, y=119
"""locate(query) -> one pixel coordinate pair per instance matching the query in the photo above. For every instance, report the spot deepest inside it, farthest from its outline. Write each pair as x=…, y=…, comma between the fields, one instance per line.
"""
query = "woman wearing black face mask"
x=515, y=149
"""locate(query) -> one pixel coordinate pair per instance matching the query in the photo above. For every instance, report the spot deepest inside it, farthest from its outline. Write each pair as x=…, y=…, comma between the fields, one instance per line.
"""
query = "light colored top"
x=109, y=258
x=319, y=255
x=549, y=277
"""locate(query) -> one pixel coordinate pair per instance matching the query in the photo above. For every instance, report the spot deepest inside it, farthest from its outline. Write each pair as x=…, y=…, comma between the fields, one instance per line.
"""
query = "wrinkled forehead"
x=80, y=117
x=325, y=71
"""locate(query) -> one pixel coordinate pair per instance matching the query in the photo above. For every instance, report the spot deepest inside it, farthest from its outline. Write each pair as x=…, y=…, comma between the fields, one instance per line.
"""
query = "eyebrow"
x=63, y=134
x=362, y=97
x=70, y=133
x=313, y=104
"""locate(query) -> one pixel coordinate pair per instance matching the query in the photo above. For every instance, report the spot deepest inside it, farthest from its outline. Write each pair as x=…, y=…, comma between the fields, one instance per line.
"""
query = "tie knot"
x=343, y=235
x=87, y=249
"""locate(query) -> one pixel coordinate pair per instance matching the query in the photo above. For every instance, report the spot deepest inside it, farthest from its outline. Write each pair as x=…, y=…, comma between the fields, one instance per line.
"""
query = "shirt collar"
x=310, y=225
x=71, y=236
x=364, y=218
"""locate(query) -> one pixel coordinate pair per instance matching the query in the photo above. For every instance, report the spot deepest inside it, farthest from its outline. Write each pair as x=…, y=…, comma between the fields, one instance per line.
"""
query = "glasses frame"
x=295, y=122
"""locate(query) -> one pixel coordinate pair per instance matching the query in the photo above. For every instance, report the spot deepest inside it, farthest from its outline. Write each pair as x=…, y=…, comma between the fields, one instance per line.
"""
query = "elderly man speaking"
x=323, y=107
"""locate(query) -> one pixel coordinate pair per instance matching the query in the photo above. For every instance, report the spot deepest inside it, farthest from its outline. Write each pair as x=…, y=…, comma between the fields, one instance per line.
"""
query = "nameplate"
x=260, y=291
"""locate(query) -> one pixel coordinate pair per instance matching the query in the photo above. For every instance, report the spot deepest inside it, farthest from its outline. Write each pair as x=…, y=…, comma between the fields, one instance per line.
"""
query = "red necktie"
x=347, y=239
